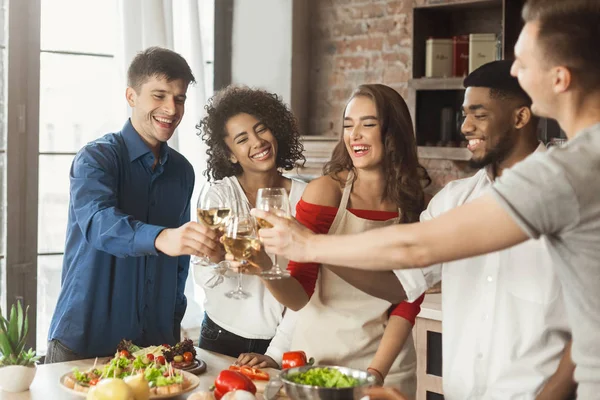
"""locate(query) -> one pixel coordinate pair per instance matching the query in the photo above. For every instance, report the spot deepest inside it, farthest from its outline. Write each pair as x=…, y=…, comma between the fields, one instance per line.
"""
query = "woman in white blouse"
x=252, y=136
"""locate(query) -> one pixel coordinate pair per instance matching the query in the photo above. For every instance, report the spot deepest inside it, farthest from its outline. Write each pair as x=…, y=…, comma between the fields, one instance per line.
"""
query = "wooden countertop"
x=431, y=308
x=46, y=384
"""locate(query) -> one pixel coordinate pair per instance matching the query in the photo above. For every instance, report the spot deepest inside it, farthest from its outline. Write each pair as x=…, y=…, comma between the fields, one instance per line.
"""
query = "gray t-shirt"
x=556, y=195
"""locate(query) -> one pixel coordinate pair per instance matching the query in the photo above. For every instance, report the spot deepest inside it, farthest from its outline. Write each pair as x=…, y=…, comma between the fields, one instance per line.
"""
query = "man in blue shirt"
x=129, y=234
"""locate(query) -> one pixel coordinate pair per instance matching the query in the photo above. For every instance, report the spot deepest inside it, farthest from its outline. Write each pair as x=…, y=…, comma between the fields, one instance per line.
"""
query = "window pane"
x=207, y=30
x=53, y=202
x=79, y=101
x=80, y=26
x=48, y=283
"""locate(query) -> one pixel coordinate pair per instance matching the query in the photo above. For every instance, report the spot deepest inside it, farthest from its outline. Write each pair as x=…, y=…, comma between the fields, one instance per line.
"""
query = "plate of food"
x=181, y=356
x=161, y=379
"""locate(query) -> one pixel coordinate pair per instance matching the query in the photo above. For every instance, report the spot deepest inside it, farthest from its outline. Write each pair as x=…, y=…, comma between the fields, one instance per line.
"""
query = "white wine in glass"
x=241, y=241
x=276, y=201
x=213, y=211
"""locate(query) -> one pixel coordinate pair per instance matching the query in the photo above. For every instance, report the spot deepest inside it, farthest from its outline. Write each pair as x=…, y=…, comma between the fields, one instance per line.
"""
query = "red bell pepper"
x=228, y=381
x=293, y=359
x=252, y=373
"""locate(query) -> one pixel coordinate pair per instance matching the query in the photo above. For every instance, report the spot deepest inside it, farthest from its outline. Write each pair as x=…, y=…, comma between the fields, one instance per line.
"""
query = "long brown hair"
x=403, y=173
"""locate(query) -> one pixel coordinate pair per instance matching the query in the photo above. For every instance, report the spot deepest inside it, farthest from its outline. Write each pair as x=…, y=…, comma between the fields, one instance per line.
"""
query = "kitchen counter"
x=46, y=384
x=431, y=308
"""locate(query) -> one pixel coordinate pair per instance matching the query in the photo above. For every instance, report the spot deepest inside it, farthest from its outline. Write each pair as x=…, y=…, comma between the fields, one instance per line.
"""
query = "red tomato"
x=188, y=356
x=94, y=382
x=124, y=353
x=160, y=360
x=293, y=359
x=150, y=356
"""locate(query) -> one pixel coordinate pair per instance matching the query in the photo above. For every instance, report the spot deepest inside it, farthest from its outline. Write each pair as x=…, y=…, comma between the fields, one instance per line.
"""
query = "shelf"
x=441, y=4
x=445, y=153
x=454, y=83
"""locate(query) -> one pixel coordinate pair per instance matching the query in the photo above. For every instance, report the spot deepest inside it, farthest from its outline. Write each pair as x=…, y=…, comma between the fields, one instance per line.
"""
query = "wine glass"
x=241, y=241
x=213, y=211
x=277, y=201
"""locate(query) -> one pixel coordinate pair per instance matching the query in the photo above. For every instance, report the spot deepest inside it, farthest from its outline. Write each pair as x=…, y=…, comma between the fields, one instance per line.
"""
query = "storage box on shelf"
x=435, y=102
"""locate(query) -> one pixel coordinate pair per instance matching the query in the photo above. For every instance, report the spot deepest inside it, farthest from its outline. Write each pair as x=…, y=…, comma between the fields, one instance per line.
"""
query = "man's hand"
x=383, y=393
x=287, y=238
x=191, y=238
x=256, y=360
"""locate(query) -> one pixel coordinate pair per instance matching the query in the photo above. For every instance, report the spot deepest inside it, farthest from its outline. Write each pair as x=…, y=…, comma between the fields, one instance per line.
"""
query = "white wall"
x=262, y=45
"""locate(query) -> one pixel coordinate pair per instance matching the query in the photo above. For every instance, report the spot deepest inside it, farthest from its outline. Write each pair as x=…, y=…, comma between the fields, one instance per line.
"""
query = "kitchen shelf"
x=453, y=83
x=441, y=4
x=444, y=153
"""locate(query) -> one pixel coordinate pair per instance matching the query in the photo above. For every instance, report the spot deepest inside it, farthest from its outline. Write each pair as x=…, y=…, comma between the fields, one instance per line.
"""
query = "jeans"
x=214, y=338
x=58, y=352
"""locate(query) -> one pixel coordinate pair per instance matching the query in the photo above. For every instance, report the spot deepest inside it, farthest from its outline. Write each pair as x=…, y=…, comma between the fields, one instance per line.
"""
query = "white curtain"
x=175, y=25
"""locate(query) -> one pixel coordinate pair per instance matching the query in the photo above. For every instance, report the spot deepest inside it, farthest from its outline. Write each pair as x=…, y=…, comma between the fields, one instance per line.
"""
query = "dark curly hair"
x=405, y=177
x=264, y=106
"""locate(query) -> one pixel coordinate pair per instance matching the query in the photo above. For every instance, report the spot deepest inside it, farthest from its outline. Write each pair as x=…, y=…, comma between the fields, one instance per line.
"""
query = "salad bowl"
x=309, y=383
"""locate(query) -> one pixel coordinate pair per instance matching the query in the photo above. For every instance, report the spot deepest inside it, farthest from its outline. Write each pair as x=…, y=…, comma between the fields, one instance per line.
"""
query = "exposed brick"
x=350, y=28
x=398, y=6
x=385, y=25
x=360, y=45
x=351, y=62
x=370, y=10
x=396, y=75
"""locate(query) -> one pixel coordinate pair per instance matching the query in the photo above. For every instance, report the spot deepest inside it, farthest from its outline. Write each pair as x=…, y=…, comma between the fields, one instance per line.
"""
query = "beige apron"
x=342, y=325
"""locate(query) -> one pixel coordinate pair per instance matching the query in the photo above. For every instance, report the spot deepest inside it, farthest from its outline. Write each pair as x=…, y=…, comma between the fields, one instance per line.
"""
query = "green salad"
x=324, y=377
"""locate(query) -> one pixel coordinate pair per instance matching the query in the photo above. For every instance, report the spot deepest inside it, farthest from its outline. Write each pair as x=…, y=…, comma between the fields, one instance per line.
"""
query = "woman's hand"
x=383, y=393
x=253, y=266
x=256, y=360
x=286, y=238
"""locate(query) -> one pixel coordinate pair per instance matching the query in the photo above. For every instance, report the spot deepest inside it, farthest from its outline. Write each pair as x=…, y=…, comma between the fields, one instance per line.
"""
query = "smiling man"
x=128, y=234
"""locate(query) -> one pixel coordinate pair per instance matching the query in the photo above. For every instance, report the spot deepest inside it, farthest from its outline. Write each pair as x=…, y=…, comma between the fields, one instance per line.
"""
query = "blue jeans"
x=217, y=339
x=58, y=352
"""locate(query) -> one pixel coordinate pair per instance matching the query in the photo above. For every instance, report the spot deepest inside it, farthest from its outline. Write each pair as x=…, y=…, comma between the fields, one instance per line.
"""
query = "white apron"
x=342, y=325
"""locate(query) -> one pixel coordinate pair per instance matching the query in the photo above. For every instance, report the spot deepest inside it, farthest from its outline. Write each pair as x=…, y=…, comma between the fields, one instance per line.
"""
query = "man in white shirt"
x=552, y=195
x=505, y=327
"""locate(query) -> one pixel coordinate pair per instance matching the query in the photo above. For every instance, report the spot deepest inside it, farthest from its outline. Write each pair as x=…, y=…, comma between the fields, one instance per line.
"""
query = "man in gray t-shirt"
x=555, y=195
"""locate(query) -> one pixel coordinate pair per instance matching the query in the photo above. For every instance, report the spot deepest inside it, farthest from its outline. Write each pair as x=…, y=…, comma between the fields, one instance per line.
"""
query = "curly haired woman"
x=252, y=136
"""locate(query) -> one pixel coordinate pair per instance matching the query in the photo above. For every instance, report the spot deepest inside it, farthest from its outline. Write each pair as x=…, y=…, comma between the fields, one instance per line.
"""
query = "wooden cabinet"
x=427, y=335
x=435, y=102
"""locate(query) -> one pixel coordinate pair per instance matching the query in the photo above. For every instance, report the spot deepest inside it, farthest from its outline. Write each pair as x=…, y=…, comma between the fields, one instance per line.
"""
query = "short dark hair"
x=159, y=62
x=268, y=108
x=496, y=76
x=568, y=35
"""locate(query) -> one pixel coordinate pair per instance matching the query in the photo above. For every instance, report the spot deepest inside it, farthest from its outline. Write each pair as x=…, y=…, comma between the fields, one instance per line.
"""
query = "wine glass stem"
x=239, y=285
x=275, y=266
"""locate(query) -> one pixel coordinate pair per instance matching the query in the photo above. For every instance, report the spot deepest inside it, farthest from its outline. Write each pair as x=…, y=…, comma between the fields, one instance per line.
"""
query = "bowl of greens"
x=321, y=382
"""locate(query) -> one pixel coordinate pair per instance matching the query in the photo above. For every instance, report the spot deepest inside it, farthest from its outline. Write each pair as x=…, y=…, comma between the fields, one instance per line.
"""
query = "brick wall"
x=363, y=41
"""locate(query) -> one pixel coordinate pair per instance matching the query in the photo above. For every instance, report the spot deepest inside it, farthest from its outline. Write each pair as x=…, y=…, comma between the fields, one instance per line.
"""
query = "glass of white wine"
x=241, y=241
x=276, y=201
x=214, y=209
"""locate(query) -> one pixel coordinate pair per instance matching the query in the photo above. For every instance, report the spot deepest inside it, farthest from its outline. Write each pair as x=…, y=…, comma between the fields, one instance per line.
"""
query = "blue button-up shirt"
x=114, y=283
